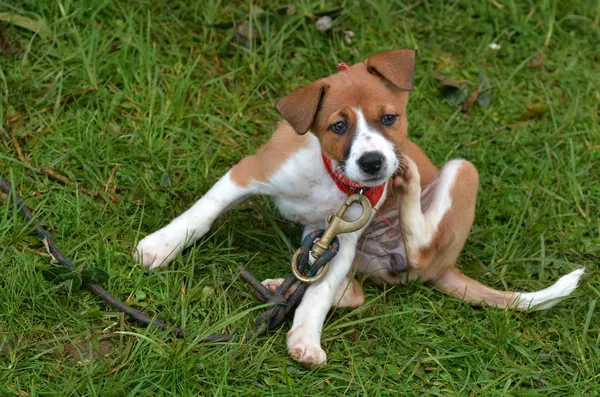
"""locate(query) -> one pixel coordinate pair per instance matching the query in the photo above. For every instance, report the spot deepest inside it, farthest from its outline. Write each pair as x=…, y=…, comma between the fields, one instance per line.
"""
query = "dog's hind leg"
x=435, y=236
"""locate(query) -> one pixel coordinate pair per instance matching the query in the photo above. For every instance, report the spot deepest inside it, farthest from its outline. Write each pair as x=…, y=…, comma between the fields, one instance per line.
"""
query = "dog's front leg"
x=159, y=248
x=434, y=237
x=304, y=339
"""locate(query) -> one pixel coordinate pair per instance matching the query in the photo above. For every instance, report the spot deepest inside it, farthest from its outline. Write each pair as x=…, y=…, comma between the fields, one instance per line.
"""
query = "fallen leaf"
x=445, y=80
x=474, y=96
x=207, y=293
x=324, y=23
x=244, y=30
x=165, y=179
x=454, y=95
x=485, y=97
x=37, y=26
x=58, y=274
x=444, y=60
x=451, y=90
x=537, y=62
x=536, y=110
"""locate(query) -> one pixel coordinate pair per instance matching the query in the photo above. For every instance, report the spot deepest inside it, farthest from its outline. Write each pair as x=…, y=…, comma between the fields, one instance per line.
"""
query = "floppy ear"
x=301, y=106
x=396, y=66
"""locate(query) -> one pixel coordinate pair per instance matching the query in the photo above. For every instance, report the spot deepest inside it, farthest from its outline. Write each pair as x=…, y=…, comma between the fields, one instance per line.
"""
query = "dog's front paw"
x=157, y=249
x=408, y=181
x=304, y=350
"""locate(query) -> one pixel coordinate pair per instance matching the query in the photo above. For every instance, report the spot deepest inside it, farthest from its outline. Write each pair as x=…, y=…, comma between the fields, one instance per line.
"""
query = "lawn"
x=145, y=104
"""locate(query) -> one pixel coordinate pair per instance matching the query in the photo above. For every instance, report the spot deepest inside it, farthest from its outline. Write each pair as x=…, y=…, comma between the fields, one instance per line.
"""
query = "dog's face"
x=358, y=114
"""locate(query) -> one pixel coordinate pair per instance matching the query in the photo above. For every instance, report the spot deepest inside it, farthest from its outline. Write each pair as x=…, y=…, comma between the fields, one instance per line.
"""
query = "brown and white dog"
x=340, y=132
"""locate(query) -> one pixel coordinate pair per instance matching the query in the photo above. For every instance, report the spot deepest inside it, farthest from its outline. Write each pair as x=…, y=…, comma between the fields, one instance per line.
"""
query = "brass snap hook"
x=337, y=225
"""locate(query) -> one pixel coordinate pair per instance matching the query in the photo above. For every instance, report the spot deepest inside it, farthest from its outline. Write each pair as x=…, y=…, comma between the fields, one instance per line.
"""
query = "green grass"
x=156, y=96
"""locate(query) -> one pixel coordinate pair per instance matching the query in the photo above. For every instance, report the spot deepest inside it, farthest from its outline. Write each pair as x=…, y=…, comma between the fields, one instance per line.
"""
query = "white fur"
x=548, y=297
x=368, y=139
x=304, y=338
x=426, y=224
x=304, y=192
x=159, y=248
x=443, y=201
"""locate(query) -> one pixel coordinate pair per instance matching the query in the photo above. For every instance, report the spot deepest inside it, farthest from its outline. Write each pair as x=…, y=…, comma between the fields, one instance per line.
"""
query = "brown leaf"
x=246, y=32
x=537, y=62
x=5, y=47
x=444, y=60
x=446, y=81
x=470, y=100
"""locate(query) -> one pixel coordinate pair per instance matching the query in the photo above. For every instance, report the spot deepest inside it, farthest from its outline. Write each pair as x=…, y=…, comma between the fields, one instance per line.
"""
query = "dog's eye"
x=388, y=119
x=340, y=127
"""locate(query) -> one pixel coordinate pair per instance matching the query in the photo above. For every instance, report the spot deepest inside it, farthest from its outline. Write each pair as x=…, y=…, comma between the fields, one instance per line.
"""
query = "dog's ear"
x=396, y=66
x=301, y=106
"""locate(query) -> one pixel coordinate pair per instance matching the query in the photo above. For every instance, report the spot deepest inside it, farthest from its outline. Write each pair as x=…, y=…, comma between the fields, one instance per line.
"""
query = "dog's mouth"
x=373, y=181
x=368, y=180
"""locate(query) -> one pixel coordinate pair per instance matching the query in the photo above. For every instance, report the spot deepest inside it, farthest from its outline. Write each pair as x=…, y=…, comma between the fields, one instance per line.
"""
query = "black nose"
x=371, y=162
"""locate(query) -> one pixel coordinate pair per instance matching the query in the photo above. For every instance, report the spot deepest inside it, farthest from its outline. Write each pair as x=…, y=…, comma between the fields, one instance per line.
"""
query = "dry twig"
x=53, y=173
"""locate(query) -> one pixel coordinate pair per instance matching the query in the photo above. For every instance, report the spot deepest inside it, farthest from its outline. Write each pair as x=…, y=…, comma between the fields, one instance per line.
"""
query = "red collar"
x=348, y=187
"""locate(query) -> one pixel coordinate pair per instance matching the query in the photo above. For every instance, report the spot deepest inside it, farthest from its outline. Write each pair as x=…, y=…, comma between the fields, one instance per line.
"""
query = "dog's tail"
x=455, y=283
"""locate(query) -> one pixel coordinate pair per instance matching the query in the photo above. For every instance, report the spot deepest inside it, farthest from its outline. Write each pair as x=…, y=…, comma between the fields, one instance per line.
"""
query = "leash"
x=95, y=289
x=321, y=244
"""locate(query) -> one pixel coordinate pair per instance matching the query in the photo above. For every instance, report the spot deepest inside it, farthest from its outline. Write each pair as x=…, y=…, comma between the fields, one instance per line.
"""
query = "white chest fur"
x=304, y=192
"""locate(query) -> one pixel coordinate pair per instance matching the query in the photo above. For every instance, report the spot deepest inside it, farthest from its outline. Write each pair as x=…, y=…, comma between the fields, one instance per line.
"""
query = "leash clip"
x=336, y=225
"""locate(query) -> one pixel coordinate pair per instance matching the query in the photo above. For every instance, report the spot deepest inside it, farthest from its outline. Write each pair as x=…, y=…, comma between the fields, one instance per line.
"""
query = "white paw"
x=408, y=180
x=273, y=283
x=305, y=350
x=158, y=249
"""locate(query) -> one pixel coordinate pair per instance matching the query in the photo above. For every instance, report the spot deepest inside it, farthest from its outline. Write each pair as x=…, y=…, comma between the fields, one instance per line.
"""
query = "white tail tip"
x=548, y=297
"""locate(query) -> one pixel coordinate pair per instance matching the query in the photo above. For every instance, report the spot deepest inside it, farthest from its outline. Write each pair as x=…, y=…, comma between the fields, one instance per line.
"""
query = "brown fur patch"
x=260, y=166
x=455, y=283
x=329, y=100
x=356, y=88
x=353, y=295
x=454, y=227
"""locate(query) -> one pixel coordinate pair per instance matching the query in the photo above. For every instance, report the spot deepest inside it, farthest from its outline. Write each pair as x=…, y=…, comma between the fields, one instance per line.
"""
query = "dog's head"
x=358, y=114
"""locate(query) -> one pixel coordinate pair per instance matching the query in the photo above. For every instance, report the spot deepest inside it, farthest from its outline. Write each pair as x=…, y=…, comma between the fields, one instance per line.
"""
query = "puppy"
x=344, y=133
